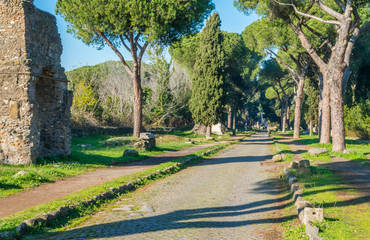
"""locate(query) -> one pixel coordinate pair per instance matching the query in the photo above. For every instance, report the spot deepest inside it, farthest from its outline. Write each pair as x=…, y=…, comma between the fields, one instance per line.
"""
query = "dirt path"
x=229, y=196
x=51, y=191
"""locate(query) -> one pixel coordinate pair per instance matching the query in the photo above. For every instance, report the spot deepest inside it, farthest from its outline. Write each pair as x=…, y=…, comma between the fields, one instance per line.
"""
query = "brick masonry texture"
x=34, y=99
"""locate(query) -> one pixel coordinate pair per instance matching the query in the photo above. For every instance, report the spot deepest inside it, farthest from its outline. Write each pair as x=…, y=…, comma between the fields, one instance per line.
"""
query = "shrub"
x=357, y=119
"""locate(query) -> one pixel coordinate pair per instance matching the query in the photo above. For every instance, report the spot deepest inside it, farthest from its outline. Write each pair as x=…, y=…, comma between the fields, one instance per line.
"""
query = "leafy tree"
x=267, y=36
x=133, y=24
x=344, y=18
x=184, y=51
x=281, y=87
x=206, y=102
x=240, y=65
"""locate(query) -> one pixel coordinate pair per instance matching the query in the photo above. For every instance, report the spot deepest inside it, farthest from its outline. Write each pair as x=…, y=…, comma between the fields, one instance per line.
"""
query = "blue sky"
x=76, y=54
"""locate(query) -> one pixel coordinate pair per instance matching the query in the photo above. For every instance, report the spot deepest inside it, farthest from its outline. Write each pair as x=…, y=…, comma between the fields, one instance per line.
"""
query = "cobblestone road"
x=230, y=196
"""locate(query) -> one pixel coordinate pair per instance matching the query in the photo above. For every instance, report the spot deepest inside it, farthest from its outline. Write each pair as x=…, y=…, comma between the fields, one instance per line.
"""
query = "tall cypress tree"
x=207, y=97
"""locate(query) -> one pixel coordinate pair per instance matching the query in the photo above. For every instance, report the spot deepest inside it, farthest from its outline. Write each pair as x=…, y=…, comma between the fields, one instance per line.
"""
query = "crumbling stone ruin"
x=34, y=99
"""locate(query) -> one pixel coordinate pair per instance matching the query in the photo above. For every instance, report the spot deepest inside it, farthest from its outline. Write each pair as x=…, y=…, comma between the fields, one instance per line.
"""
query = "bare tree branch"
x=123, y=43
x=101, y=34
x=307, y=15
x=353, y=40
x=329, y=11
x=281, y=62
x=326, y=40
x=349, y=9
x=143, y=50
x=307, y=45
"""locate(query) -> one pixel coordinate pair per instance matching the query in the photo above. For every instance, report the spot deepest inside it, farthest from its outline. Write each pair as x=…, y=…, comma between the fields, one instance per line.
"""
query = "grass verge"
x=346, y=213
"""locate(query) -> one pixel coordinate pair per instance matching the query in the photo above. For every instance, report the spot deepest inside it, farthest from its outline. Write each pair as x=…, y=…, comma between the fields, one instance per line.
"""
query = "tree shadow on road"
x=184, y=219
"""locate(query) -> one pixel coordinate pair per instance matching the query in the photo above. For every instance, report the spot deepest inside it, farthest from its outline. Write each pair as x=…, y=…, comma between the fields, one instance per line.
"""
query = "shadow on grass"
x=5, y=186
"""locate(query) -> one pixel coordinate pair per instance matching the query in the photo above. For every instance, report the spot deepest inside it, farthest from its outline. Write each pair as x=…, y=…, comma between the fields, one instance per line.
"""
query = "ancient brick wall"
x=34, y=100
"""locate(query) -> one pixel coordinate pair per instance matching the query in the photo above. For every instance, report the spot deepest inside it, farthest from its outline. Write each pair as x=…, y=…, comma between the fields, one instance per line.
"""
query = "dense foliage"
x=206, y=102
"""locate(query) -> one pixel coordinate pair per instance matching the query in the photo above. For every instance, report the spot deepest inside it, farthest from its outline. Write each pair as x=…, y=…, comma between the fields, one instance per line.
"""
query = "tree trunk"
x=335, y=78
x=311, y=127
x=229, y=117
x=208, y=131
x=298, y=107
x=283, y=117
x=138, y=107
x=284, y=124
x=234, y=120
x=287, y=113
x=325, y=113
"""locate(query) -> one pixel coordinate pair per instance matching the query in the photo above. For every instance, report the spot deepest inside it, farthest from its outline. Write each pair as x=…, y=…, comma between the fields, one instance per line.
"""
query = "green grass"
x=361, y=154
x=83, y=212
x=346, y=214
x=36, y=175
x=104, y=151
x=284, y=149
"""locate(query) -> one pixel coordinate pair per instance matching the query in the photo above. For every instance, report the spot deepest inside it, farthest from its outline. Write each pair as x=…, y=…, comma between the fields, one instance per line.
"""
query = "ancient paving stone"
x=229, y=196
x=34, y=98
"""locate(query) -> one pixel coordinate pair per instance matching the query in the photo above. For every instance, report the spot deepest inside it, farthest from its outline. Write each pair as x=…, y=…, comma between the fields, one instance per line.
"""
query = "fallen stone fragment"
x=131, y=153
x=277, y=158
x=348, y=151
x=304, y=163
x=297, y=194
x=295, y=186
x=20, y=173
x=313, y=214
x=33, y=222
x=312, y=232
x=317, y=150
x=63, y=211
x=292, y=180
x=294, y=164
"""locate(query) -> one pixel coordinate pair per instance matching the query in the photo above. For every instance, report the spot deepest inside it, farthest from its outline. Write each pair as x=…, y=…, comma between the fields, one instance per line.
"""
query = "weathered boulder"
x=313, y=214
x=63, y=211
x=304, y=171
x=291, y=180
x=312, y=232
x=297, y=194
x=130, y=153
x=304, y=163
x=302, y=204
x=348, y=151
x=20, y=173
x=146, y=142
x=295, y=186
x=23, y=229
x=33, y=222
x=294, y=164
x=317, y=150
x=277, y=158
